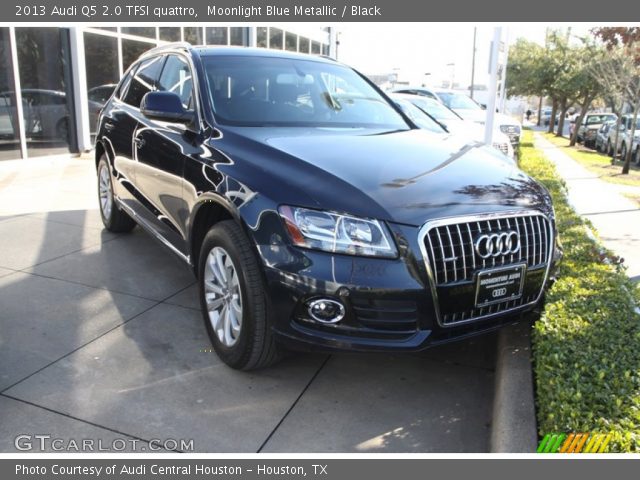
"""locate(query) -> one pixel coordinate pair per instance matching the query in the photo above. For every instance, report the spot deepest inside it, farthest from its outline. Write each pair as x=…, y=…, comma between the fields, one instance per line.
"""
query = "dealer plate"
x=500, y=284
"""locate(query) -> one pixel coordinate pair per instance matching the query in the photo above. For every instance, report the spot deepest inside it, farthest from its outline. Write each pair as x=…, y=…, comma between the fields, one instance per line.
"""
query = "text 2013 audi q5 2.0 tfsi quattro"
x=313, y=212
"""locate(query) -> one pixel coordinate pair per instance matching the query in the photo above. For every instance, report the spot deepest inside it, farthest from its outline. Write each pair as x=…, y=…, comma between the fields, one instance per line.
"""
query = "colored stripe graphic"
x=574, y=443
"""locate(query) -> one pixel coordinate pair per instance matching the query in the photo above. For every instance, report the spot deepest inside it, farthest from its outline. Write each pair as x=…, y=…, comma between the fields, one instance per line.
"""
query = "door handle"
x=109, y=126
x=139, y=142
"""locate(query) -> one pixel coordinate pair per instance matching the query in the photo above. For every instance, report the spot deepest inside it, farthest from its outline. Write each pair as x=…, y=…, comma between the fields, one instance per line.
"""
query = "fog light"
x=325, y=310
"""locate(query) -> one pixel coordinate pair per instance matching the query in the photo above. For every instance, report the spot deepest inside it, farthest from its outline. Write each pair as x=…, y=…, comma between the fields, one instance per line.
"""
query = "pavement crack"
x=293, y=405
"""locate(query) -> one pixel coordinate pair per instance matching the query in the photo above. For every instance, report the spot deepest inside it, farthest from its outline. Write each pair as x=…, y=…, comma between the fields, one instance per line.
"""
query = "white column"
x=79, y=80
x=253, y=36
x=333, y=46
x=493, y=85
x=18, y=92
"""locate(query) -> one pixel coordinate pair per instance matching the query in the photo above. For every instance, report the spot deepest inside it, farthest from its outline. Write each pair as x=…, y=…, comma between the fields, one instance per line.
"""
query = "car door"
x=119, y=126
x=161, y=149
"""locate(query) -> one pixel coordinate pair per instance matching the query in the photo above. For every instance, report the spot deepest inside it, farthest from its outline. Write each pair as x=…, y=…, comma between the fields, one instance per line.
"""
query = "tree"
x=628, y=40
x=528, y=73
x=613, y=71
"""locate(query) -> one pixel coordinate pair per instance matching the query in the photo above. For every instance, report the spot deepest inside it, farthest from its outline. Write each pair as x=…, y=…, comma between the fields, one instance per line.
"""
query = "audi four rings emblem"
x=497, y=244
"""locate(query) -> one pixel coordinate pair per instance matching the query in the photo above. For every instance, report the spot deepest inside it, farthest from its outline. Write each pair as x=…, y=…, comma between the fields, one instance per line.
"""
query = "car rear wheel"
x=233, y=299
x=623, y=152
x=113, y=218
x=609, y=148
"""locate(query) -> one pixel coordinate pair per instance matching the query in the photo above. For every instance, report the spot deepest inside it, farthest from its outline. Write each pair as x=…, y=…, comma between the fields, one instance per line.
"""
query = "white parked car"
x=454, y=124
x=468, y=109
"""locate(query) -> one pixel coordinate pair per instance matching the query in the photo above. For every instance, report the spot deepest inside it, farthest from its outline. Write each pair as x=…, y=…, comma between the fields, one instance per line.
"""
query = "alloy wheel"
x=104, y=191
x=223, y=296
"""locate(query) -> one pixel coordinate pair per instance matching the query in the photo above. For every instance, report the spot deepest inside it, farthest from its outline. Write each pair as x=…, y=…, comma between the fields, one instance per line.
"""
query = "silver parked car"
x=453, y=123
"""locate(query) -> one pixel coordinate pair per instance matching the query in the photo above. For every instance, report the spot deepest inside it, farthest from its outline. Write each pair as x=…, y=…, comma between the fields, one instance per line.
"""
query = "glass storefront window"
x=170, y=34
x=131, y=50
x=147, y=32
x=261, y=37
x=325, y=49
x=315, y=48
x=217, y=35
x=45, y=76
x=291, y=42
x=275, y=38
x=304, y=45
x=237, y=36
x=193, y=35
x=9, y=129
x=101, y=54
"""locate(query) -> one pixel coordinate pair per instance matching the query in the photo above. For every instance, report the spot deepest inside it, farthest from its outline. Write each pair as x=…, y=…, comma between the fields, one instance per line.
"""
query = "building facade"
x=54, y=81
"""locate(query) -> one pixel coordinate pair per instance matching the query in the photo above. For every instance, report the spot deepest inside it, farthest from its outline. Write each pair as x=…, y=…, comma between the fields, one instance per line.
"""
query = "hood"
x=480, y=116
x=475, y=131
x=404, y=176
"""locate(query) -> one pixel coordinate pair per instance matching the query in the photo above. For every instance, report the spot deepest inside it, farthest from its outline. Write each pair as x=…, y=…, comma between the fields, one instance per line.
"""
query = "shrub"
x=586, y=345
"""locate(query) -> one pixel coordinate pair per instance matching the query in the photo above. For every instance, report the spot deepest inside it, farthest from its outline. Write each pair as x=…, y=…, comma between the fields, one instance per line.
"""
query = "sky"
x=413, y=49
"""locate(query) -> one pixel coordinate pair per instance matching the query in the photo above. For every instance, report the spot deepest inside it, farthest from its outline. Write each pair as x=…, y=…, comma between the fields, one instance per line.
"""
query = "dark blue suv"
x=314, y=213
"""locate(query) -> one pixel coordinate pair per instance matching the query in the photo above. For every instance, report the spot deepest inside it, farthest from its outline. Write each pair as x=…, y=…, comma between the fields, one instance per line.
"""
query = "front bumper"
x=389, y=305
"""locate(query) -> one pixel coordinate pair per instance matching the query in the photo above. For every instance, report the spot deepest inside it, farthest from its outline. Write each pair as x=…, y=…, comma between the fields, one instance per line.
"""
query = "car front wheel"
x=233, y=299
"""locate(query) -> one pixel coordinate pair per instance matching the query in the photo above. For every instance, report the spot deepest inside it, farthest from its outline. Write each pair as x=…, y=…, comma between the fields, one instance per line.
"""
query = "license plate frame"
x=513, y=284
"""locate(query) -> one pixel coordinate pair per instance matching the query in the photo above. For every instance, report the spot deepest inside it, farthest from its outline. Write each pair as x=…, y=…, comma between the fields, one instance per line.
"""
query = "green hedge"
x=586, y=345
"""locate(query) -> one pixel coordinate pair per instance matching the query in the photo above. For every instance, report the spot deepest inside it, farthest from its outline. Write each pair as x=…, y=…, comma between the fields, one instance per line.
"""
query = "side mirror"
x=166, y=107
x=483, y=106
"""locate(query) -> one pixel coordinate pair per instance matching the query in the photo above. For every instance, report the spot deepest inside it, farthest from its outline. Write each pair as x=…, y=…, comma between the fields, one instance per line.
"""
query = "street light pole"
x=493, y=85
x=473, y=61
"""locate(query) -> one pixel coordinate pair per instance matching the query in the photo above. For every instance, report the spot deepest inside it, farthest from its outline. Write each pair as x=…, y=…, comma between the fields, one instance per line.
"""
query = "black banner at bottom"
x=545, y=466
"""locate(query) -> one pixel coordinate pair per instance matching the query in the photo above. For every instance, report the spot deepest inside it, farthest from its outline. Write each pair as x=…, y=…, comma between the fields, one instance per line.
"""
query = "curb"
x=514, y=427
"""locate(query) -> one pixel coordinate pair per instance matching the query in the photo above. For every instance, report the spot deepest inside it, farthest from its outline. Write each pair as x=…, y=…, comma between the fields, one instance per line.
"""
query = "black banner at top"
x=327, y=11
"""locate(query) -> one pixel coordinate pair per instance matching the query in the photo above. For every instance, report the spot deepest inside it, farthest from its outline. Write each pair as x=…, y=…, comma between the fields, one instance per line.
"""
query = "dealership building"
x=54, y=81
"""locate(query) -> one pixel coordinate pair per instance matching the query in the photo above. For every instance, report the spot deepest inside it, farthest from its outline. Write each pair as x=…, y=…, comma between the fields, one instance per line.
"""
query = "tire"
x=636, y=156
x=241, y=337
x=609, y=148
x=113, y=218
x=623, y=152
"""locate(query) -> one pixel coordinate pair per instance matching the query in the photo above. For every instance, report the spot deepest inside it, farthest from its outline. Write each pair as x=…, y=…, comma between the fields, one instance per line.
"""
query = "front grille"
x=454, y=262
x=474, y=313
x=503, y=147
x=453, y=257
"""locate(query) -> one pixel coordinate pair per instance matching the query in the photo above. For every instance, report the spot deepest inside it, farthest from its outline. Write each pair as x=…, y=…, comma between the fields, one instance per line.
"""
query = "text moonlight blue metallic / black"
x=314, y=213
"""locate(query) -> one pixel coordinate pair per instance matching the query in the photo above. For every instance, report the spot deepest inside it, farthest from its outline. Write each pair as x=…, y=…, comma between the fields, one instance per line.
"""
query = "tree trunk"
x=552, y=120
x=584, y=106
x=627, y=160
x=539, y=110
x=563, y=113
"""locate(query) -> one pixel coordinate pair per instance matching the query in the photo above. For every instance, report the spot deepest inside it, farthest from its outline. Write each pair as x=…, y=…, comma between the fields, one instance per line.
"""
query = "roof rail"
x=169, y=46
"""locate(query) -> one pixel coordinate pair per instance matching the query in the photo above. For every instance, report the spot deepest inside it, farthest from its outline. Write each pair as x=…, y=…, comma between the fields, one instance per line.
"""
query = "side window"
x=124, y=83
x=176, y=78
x=144, y=80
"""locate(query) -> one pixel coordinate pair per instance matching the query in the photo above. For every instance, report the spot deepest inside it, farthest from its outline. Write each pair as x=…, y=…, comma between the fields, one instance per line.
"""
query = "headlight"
x=337, y=233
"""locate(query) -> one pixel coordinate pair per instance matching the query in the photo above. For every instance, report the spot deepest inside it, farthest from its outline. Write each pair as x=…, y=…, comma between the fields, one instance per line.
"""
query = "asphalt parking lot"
x=101, y=338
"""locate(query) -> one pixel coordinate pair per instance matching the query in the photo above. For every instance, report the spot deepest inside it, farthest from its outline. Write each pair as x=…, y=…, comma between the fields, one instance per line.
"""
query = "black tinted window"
x=176, y=78
x=144, y=80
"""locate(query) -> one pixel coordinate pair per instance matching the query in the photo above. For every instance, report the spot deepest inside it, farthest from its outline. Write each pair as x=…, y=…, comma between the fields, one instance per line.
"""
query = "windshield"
x=458, y=101
x=436, y=109
x=596, y=119
x=417, y=116
x=267, y=91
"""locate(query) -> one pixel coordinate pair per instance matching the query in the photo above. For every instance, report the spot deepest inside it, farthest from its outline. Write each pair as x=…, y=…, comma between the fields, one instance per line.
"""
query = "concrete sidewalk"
x=616, y=217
